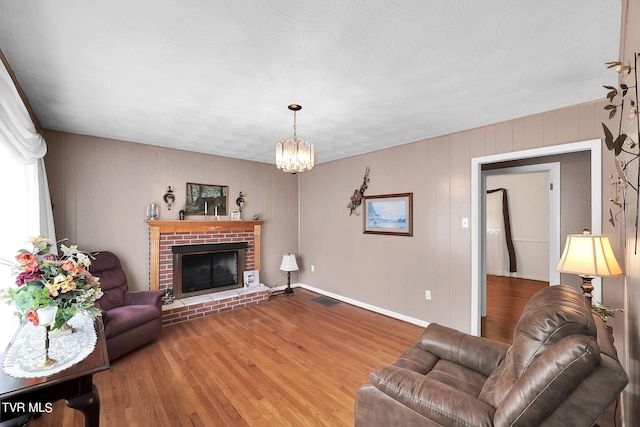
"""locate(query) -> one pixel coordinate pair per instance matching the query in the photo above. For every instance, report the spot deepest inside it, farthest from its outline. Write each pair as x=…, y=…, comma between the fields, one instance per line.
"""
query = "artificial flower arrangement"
x=45, y=279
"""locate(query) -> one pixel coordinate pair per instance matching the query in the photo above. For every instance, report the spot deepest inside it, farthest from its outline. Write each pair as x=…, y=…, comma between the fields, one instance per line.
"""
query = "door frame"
x=594, y=146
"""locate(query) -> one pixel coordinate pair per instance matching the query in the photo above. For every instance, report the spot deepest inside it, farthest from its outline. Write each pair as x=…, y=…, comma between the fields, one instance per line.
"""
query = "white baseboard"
x=360, y=304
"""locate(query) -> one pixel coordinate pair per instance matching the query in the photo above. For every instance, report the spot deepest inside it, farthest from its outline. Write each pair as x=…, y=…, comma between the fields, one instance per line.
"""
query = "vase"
x=46, y=318
x=47, y=315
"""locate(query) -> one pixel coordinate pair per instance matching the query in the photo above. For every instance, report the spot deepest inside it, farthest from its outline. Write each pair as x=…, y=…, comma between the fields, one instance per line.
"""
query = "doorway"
x=534, y=206
x=522, y=222
x=478, y=238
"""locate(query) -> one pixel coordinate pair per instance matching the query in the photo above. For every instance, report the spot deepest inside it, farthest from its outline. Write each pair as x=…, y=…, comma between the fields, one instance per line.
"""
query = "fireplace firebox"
x=207, y=268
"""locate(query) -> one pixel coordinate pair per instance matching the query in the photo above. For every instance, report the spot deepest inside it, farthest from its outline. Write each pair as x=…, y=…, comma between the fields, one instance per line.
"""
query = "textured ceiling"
x=216, y=76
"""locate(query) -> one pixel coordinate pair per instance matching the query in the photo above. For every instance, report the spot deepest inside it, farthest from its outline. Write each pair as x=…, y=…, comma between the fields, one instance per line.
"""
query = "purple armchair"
x=131, y=319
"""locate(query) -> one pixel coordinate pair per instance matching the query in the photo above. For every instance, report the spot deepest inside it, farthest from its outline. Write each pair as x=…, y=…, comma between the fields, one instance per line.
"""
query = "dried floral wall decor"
x=358, y=194
x=623, y=141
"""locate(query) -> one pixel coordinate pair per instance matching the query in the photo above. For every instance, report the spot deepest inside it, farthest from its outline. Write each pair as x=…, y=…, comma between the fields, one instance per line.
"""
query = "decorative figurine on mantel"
x=358, y=194
x=152, y=211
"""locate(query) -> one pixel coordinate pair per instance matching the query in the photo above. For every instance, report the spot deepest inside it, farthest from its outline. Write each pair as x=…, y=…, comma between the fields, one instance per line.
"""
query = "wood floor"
x=506, y=298
x=286, y=362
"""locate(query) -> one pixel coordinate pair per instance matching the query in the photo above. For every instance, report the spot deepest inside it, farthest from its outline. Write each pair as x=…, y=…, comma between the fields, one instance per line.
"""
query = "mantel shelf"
x=185, y=226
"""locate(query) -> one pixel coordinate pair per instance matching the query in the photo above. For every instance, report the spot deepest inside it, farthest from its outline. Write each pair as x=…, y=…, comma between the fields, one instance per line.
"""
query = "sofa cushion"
x=436, y=395
x=121, y=319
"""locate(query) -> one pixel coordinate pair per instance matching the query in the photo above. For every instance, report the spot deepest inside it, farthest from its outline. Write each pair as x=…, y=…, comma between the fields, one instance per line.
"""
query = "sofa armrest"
x=144, y=298
x=479, y=354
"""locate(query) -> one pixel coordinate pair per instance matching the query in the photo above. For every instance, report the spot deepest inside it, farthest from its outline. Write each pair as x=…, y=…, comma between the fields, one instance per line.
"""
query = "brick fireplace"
x=163, y=235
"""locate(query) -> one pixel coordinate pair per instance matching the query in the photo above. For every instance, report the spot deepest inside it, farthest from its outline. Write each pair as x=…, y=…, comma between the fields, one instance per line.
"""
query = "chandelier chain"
x=294, y=125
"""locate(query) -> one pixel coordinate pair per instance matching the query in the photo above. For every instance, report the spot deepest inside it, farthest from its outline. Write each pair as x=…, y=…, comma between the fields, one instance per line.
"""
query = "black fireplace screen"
x=199, y=269
x=210, y=270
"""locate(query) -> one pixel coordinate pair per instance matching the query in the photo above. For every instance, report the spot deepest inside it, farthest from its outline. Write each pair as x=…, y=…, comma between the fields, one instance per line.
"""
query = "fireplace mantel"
x=158, y=227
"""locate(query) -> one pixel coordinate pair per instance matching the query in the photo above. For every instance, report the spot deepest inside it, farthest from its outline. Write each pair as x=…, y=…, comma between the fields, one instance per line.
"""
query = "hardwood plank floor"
x=506, y=298
x=285, y=362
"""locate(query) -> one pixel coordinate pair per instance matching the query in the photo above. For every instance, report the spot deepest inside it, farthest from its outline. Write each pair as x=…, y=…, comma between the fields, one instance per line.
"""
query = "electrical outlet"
x=465, y=222
x=313, y=268
x=427, y=295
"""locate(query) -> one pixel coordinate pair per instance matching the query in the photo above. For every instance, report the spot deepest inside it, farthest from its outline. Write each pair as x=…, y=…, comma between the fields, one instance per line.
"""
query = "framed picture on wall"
x=206, y=199
x=389, y=214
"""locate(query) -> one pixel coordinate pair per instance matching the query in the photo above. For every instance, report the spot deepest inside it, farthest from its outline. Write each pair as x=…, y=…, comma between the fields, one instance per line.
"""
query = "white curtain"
x=25, y=207
x=25, y=146
x=17, y=132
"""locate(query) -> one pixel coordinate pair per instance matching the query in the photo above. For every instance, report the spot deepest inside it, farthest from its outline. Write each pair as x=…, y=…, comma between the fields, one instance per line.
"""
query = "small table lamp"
x=588, y=256
x=289, y=264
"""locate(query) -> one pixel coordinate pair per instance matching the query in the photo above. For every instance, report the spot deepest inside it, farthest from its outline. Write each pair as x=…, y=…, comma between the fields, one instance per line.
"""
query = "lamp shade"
x=589, y=255
x=289, y=263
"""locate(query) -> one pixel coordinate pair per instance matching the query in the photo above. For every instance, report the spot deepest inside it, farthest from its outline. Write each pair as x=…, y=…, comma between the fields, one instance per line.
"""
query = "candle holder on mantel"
x=215, y=212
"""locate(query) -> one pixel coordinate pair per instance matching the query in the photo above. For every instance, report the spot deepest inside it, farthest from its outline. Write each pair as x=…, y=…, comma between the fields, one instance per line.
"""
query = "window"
x=19, y=219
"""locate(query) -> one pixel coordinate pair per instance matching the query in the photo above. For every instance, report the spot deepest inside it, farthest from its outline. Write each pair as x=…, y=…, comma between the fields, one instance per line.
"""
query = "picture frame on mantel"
x=390, y=214
x=251, y=278
x=206, y=199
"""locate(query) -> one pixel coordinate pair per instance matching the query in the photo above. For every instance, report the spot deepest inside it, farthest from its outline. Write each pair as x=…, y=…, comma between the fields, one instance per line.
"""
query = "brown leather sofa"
x=131, y=319
x=561, y=370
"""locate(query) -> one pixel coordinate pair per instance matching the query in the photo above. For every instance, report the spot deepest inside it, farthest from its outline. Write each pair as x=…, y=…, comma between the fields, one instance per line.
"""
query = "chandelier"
x=294, y=155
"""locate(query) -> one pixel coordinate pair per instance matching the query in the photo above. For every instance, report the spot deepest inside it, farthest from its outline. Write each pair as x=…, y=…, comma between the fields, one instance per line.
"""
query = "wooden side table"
x=19, y=396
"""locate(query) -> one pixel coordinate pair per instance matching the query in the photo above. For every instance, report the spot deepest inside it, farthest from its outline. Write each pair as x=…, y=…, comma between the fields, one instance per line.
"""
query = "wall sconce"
x=240, y=201
x=169, y=198
x=589, y=257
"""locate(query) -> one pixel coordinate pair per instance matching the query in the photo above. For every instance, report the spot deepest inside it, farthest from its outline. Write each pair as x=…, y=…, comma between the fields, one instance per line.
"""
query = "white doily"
x=27, y=349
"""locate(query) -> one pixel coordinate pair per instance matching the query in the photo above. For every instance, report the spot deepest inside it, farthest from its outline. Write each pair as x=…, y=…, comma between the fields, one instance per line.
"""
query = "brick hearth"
x=204, y=305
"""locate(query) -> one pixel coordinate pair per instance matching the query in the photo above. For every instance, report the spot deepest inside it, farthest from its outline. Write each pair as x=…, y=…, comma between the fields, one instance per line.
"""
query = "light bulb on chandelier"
x=294, y=155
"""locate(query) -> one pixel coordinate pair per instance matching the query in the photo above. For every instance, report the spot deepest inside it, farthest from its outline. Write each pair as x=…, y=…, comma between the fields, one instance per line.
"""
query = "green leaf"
x=624, y=88
x=612, y=113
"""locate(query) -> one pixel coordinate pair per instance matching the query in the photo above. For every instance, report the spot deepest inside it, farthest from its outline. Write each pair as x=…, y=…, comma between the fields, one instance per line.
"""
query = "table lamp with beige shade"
x=588, y=256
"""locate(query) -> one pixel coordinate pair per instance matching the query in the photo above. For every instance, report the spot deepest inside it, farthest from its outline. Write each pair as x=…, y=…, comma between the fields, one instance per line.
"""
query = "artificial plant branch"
x=623, y=145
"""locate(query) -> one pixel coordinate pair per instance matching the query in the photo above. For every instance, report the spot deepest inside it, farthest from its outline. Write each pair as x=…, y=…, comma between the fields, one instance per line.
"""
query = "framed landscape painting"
x=206, y=199
x=389, y=214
